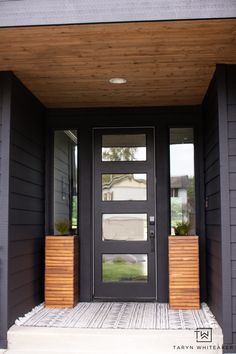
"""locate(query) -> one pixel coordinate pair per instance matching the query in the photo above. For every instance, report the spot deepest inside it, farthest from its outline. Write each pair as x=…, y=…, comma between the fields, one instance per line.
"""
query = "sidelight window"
x=182, y=178
x=65, y=179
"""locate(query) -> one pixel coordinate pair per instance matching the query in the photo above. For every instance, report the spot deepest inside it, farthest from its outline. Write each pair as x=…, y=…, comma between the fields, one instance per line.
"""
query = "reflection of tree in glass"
x=191, y=189
x=176, y=211
x=183, y=208
x=191, y=202
x=74, y=212
x=120, y=270
x=119, y=154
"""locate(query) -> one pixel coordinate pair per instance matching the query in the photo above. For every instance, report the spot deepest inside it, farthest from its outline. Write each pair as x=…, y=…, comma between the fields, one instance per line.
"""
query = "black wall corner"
x=26, y=202
x=227, y=104
x=5, y=111
x=22, y=201
x=219, y=110
x=213, y=201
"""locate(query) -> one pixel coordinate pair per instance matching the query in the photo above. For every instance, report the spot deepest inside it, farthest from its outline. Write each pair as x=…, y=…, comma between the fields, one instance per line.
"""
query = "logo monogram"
x=203, y=335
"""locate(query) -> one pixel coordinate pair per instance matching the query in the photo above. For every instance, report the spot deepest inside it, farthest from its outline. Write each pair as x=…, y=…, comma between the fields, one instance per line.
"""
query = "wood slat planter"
x=184, y=285
x=61, y=271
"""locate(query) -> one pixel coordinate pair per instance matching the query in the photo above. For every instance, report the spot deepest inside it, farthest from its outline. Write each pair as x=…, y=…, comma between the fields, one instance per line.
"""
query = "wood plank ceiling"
x=165, y=63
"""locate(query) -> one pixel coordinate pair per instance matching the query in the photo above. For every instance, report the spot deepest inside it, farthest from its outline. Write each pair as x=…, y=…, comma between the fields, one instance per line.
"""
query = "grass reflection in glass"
x=124, y=268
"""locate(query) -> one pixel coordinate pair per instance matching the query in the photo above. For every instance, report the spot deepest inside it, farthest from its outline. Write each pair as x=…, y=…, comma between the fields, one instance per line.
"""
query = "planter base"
x=184, y=289
x=61, y=271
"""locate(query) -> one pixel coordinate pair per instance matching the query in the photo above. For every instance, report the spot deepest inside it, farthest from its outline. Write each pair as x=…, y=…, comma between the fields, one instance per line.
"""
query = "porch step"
x=41, y=340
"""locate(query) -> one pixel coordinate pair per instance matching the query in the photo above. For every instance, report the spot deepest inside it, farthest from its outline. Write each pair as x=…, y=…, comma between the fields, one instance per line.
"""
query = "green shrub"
x=118, y=260
x=62, y=227
x=182, y=228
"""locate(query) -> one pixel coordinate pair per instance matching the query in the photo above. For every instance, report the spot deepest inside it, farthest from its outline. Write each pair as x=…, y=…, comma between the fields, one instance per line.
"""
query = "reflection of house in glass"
x=124, y=187
x=182, y=200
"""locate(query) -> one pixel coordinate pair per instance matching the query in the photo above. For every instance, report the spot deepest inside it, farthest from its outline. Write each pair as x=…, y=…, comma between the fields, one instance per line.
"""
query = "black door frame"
x=124, y=291
x=162, y=118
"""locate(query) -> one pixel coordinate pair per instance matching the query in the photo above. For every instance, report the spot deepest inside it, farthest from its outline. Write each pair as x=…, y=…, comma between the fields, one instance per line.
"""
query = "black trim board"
x=200, y=211
x=228, y=74
x=5, y=104
x=162, y=209
x=85, y=212
x=213, y=201
x=225, y=203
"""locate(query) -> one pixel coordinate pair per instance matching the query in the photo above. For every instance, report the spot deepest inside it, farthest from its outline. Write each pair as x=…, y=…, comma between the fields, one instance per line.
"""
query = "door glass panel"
x=124, y=147
x=124, y=268
x=65, y=191
x=182, y=180
x=124, y=227
x=130, y=186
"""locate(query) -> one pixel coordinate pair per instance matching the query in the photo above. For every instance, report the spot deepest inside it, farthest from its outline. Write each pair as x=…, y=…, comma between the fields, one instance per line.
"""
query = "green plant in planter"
x=63, y=227
x=182, y=228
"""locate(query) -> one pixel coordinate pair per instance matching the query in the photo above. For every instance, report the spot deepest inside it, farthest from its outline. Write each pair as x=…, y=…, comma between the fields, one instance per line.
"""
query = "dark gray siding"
x=231, y=125
x=220, y=177
x=46, y=12
x=26, y=202
x=212, y=193
x=2, y=285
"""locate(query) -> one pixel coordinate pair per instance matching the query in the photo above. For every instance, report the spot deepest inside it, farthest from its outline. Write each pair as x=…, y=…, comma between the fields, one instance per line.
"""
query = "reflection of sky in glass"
x=141, y=154
x=76, y=156
x=182, y=160
x=140, y=176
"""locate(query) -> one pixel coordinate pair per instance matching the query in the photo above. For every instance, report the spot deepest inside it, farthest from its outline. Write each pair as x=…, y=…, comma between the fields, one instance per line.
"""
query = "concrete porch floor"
x=35, y=340
x=27, y=339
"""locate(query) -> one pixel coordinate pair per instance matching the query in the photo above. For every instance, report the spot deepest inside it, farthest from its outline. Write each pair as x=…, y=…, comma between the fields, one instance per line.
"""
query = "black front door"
x=124, y=214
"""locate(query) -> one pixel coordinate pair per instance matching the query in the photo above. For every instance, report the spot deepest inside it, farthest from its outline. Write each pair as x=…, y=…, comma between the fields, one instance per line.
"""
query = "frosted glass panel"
x=126, y=227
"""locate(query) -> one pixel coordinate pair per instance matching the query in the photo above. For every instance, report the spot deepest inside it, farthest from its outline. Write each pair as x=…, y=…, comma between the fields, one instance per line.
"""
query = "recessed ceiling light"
x=117, y=80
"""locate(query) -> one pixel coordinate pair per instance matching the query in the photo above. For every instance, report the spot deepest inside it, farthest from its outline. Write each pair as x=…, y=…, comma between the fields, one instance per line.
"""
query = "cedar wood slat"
x=184, y=283
x=61, y=271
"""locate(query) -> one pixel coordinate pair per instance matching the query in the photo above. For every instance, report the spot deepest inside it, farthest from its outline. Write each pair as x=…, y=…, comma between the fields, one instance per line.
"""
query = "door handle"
x=152, y=239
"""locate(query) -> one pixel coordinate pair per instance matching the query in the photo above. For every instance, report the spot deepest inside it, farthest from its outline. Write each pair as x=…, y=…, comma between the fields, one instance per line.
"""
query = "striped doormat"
x=119, y=315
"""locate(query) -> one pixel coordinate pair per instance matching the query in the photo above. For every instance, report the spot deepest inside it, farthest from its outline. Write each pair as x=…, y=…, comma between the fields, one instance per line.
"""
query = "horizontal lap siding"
x=213, y=210
x=45, y=12
x=231, y=102
x=26, y=213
